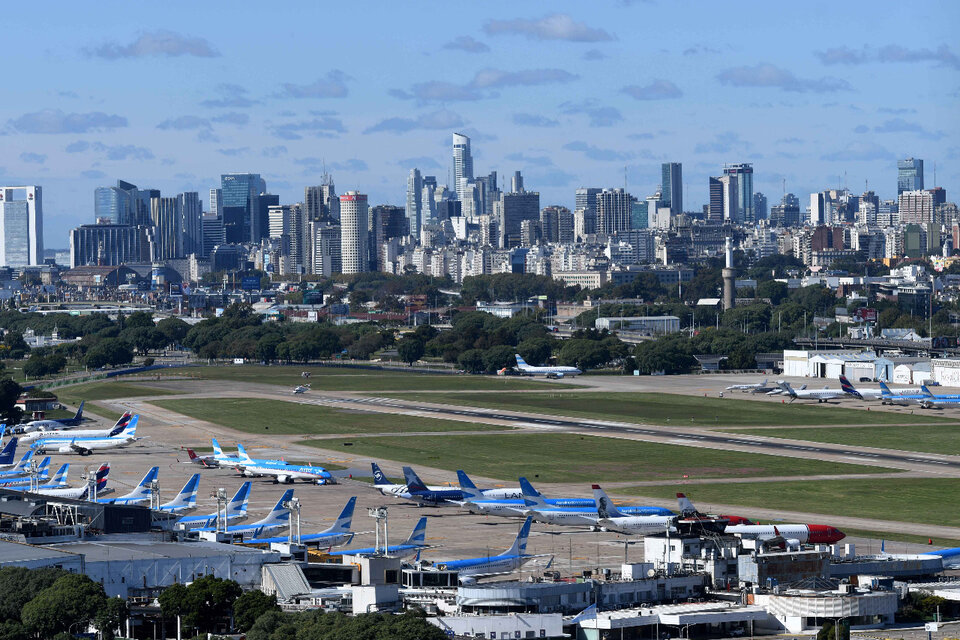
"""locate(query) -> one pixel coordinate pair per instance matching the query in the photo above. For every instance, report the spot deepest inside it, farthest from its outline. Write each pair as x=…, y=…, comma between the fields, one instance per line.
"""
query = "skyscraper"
x=108, y=244
x=614, y=207
x=759, y=206
x=393, y=220
x=715, y=211
x=117, y=205
x=511, y=210
x=731, y=193
x=916, y=207
x=212, y=228
x=586, y=198
x=516, y=183
x=320, y=202
x=167, y=240
x=353, y=232
x=909, y=175
x=21, y=226
x=743, y=174
x=462, y=164
x=240, y=205
x=191, y=226
x=414, y=202
x=216, y=201
x=671, y=187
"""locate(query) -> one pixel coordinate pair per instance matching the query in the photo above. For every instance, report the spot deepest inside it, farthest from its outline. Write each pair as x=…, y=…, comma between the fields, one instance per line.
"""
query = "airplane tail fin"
x=124, y=419
x=520, y=361
x=131, y=427
x=470, y=491
x=24, y=461
x=345, y=519
x=188, y=494
x=605, y=506
x=144, y=489
x=6, y=456
x=279, y=513
x=193, y=454
x=79, y=415
x=531, y=497
x=519, y=546
x=414, y=483
x=379, y=479
x=926, y=391
x=101, y=476
x=60, y=477
x=846, y=387
x=217, y=451
x=787, y=388
x=884, y=387
x=242, y=451
x=238, y=504
x=685, y=505
x=419, y=534
x=44, y=466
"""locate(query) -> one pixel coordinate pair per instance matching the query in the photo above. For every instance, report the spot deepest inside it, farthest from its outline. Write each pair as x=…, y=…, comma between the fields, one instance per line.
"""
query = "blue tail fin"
x=9, y=451
x=238, y=504
x=279, y=512
x=846, y=387
x=470, y=491
x=60, y=477
x=44, y=466
x=414, y=483
x=345, y=519
x=519, y=546
x=885, y=388
x=217, y=451
x=419, y=534
x=531, y=497
x=378, y=478
x=102, y=474
x=79, y=416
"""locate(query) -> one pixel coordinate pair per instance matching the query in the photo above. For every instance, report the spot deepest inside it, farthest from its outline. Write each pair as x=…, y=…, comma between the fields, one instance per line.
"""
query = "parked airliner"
x=81, y=492
x=612, y=519
x=549, y=371
x=338, y=534
x=278, y=518
x=412, y=546
x=510, y=560
x=186, y=500
x=236, y=510
x=140, y=494
x=52, y=423
x=820, y=395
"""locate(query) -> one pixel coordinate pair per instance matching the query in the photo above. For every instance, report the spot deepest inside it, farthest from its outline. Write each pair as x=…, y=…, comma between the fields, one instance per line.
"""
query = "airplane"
x=81, y=492
x=140, y=494
x=497, y=493
x=385, y=487
x=20, y=467
x=555, y=372
x=423, y=494
x=221, y=457
x=42, y=472
x=8, y=453
x=236, y=510
x=186, y=500
x=337, y=534
x=209, y=462
x=692, y=520
x=820, y=395
x=412, y=546
x=612, y=519
x=51, y=423
x=536, y=507
x=281, y=471
x=59, y=479
x=950, y=557
x=278, y=518
x=78, y=433
x=87, y=445
x=510, y=560
x=793, y=534
x=757, y=387
x=930, y=401
x=303, y=388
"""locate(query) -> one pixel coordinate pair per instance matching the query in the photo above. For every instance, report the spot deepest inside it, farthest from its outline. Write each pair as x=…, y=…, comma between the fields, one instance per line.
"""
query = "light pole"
x=221, y=497
x=293, y=505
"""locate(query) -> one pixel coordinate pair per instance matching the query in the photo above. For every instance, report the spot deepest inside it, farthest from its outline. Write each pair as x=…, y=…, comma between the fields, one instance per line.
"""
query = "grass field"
x=252, y=415
x=103, y=411
x=926, y=500
x=926, y=438
x=342, y=379
x=553, y=457
x=938, y=543
x=664, y=408
x=92, y=391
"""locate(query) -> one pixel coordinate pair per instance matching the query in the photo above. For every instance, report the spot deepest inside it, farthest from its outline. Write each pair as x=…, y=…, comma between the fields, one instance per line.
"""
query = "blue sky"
x=170, y=95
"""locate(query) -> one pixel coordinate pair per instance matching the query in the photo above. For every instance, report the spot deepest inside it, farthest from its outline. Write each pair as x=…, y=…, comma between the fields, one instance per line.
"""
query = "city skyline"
x=565, y=93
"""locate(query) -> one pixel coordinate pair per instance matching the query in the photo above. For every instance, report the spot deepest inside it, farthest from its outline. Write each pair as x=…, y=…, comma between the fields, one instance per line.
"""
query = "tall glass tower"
x=462, y=164
x=240, y=200
x=743, y=172
x=909, y=175
x=671, y=187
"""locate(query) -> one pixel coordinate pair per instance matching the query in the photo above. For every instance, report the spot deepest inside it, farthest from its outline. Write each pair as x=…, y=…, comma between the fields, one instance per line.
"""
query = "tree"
x=410, y=350
x=10, y=413
x=471, y=360
x=19, y=585
x=267, y=347
x=73, y=600
x=496, y=358
x=536, y=351
x=250, y=606
x=139, y=319
x=774, y=290
x=583, y=353
x=174, y=329
x=203, y=605
x=112, y=616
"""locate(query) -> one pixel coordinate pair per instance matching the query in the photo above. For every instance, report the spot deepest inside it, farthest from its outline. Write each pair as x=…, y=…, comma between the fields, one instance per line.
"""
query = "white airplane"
x=337, y=534
x=385, y=487
x=140, y=494
x=86, y=446
x=303, y=388
x=510, y=560
x=820, y=395
x=78, y=493
x=612, y=519
x=27, y=477
x=56, y=423
x=278, y=518
x=549, y=372
x=204, y=461
x=281, y=471
x=186, y=500
x=757, y=387
x=222, y=459
x=78, y=433
x=540, y=510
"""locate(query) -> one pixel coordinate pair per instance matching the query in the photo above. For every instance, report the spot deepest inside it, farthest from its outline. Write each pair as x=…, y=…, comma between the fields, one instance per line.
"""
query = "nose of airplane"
x=821, y=533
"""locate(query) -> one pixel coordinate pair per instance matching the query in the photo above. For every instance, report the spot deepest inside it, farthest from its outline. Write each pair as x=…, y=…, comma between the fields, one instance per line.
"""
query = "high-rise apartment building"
x=241, y=206
x=671, y=187
x=759, y=206
x=586, y=198
x=108, y=244
x=354, y=245
x=216, y=201
x=190, y=211
x=909, y=175
x=462, y=164
x=167, y=239
x=324, y=255
x=511, y=210
x=743, y=174
x=21, y=226
x=564, y=226
x=414, y=201
x=916, y=207
x=715, y=209
x=614, y=208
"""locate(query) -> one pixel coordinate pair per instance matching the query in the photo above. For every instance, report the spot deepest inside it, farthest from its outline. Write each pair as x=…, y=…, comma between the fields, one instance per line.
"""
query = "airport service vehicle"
x=820, y=395
x=140, y=494
x=53, y=423
x=282, y=472
x=612, y=519
x=87, y=445
x=556, y=372
x=186, y=500
x=81, y=492
x=69, y=434
x=412, y=546
x=236, y=510
x=278, y=518
x=303, y=388
x=510, y=560
x=387, y=488
x=334, y=536
x=793, y=534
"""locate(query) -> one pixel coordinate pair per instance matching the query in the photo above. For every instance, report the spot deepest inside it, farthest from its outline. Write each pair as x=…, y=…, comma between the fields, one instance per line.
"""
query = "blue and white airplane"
x=221, y=458
x=549, y=371
x=510, y=560
x=951, y=557
x=52, y=423
x=78, y=493
x=412, y=546
x=59, y=479
x=140, y=494
x=87, y=445
x=70, y=434
x=25, y=479
x=278, y=518
x=20, y=467
x=337, y=534
x=186, y=500
x=387, y=488
x=282, y=472
x=236, y=510
x=547, y=511
x=8, y=453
